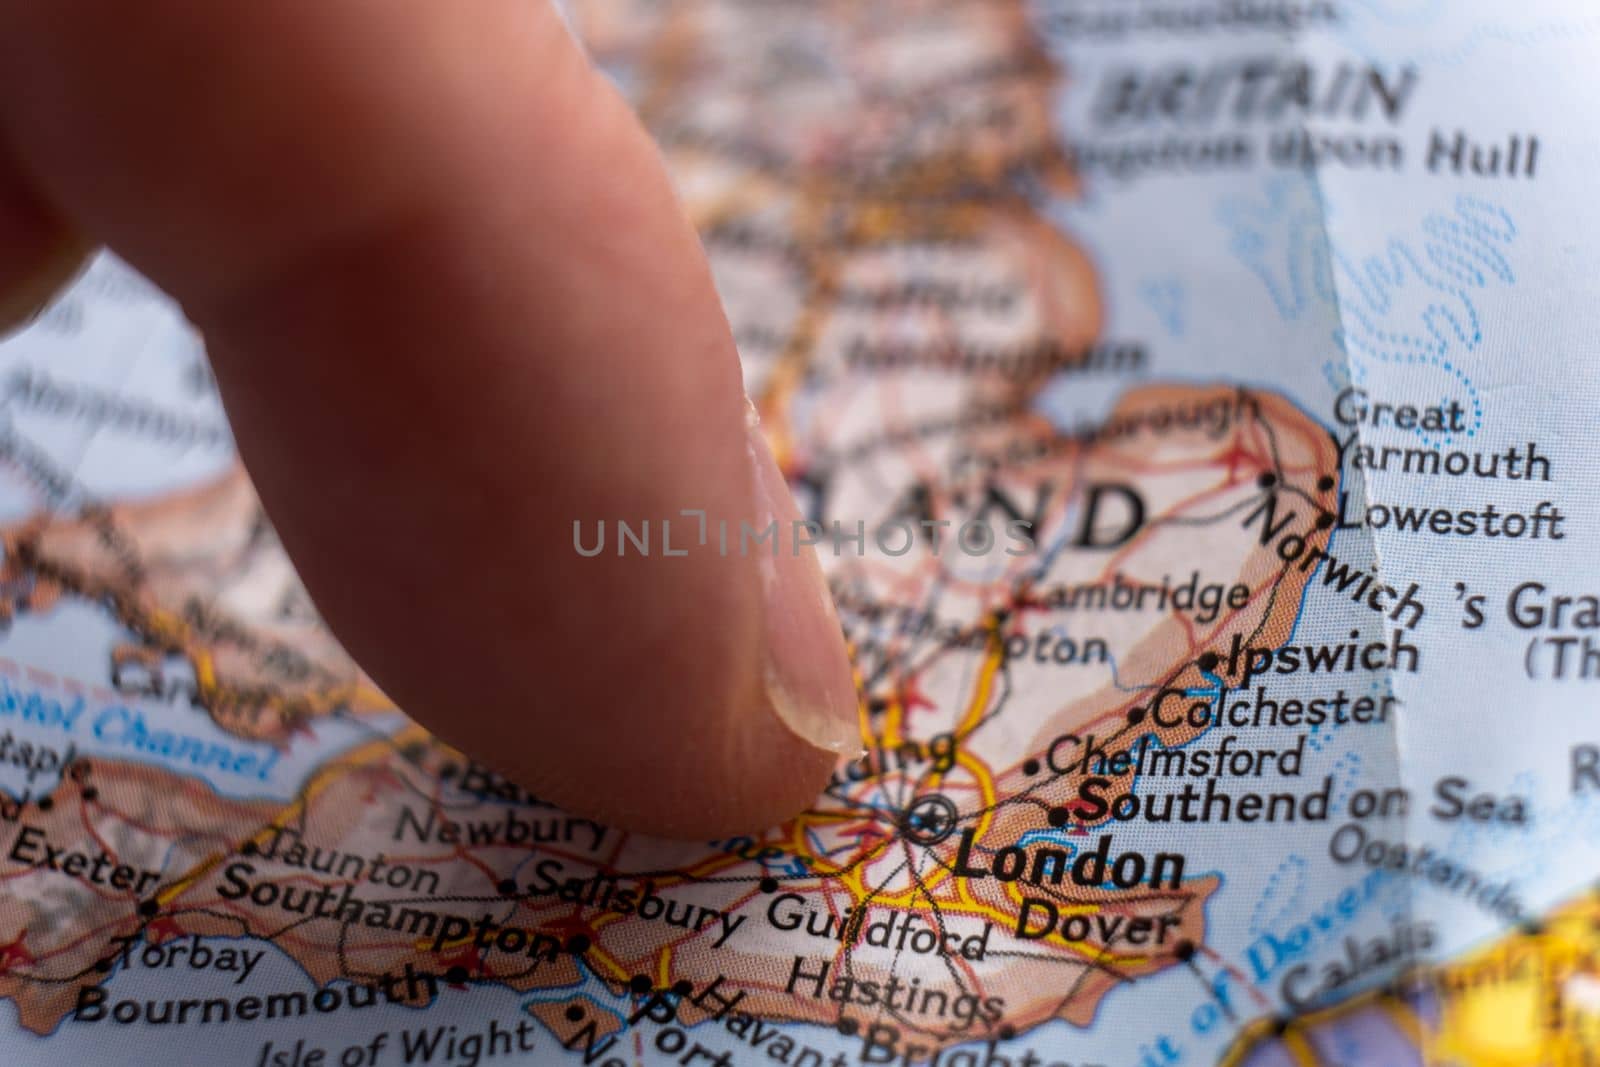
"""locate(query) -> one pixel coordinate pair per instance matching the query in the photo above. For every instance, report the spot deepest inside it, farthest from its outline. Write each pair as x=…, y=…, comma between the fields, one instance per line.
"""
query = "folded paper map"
x=1194, y=400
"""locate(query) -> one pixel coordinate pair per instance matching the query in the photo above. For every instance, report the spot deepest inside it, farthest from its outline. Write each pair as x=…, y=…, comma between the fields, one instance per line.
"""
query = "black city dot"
x=1030, y=767
x=1007, y=1031
x=848, y=1027
x=46, y=803
x=507, y=887
x=1184, y=950
x=769, y=885
x=577, y=944
x=682, y=987
x=574, y=1013
x=1325, y=483
x=1281, y=1024
x=877, y=706
x=1267, y=480
x=104, y=966
x=1135, y=716
x=91, y=793
x=1324, y=521
x=149, y=908
x=249, y=848
x=1059, y=816
x=1208, y=661
x=639, y=984
x=456, y=975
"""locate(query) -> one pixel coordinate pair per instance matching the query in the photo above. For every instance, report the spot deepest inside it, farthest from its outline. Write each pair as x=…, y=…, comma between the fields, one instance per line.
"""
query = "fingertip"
x=770, y=792
x=809, y=683
x=670, y=766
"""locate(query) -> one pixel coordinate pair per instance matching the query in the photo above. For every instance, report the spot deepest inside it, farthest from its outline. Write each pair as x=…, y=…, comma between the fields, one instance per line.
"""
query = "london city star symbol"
x=930, y=819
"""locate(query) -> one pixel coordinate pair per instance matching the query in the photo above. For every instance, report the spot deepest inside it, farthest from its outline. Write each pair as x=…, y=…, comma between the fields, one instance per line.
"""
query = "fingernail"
x=23, y=298
x=807, y=671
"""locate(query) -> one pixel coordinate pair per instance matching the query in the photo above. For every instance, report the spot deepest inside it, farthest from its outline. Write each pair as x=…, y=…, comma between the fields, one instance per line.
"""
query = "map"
x=1195, y=394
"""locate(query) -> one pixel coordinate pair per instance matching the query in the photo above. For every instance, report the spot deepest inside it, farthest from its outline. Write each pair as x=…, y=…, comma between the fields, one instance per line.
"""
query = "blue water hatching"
x=1414, y=301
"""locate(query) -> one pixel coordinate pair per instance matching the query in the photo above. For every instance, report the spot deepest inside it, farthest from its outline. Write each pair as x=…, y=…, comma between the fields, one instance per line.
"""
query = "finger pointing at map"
x=463, y=330
x=934, y=533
